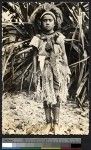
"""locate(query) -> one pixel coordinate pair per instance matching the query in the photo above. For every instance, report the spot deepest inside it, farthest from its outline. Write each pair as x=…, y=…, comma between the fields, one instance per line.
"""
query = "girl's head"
x=48, y=20
x=45, y=10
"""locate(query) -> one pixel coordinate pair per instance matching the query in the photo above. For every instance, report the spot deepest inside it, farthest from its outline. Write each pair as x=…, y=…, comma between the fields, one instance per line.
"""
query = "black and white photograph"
x=45, y=77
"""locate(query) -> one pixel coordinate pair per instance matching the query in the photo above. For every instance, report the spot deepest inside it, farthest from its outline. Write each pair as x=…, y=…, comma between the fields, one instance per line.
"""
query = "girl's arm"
x=64, y=57
x=61, y=41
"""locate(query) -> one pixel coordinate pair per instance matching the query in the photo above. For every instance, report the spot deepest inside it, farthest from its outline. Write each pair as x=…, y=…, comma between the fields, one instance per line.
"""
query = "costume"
x=53, y=73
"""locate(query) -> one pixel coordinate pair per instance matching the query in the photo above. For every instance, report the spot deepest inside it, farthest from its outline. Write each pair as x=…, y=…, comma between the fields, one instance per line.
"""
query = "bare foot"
x=56, y=129
x=47, y=129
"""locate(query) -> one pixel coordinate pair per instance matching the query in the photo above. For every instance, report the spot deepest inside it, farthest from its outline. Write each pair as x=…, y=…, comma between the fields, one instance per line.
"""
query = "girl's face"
x=48, y=23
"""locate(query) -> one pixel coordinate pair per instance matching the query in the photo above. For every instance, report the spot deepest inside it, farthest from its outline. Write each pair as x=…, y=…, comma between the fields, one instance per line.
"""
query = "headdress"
x=43, y=8
x=49, y=13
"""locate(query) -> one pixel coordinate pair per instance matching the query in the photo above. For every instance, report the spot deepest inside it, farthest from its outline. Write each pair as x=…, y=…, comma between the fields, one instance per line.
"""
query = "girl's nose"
x=47, y=22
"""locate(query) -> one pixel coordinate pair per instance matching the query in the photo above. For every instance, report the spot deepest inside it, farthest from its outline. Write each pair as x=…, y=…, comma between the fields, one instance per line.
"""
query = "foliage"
x=17, y=56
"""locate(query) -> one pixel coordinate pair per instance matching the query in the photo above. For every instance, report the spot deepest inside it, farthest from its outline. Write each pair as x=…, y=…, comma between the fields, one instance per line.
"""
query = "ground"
x=21, y=113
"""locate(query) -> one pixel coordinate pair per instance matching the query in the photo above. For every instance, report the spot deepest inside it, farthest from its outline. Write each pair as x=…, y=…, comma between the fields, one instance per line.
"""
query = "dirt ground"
x=21, y=112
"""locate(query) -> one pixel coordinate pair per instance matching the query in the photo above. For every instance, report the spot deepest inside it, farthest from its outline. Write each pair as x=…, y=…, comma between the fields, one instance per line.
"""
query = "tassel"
x=42, y=61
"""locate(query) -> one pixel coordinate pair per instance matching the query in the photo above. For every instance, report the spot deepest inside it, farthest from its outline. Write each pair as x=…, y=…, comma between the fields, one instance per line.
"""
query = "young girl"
x=50, y=66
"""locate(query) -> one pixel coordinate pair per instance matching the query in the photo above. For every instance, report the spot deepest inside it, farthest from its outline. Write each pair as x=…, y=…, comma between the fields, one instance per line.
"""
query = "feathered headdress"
x=35, y=17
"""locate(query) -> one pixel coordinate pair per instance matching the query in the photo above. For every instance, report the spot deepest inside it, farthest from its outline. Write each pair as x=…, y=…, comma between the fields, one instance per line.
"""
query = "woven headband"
x=49, y=13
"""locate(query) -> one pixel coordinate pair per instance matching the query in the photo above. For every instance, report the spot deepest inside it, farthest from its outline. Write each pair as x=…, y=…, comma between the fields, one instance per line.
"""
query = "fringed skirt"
x=53, y=84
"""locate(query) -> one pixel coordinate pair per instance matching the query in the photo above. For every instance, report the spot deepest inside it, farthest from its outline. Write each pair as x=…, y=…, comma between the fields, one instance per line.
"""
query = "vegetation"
x=17, y=68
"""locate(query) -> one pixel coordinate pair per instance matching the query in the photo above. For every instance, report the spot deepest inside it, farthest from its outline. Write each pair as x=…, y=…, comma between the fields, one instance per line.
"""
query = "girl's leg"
x=56, y=111
x=47, y=109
